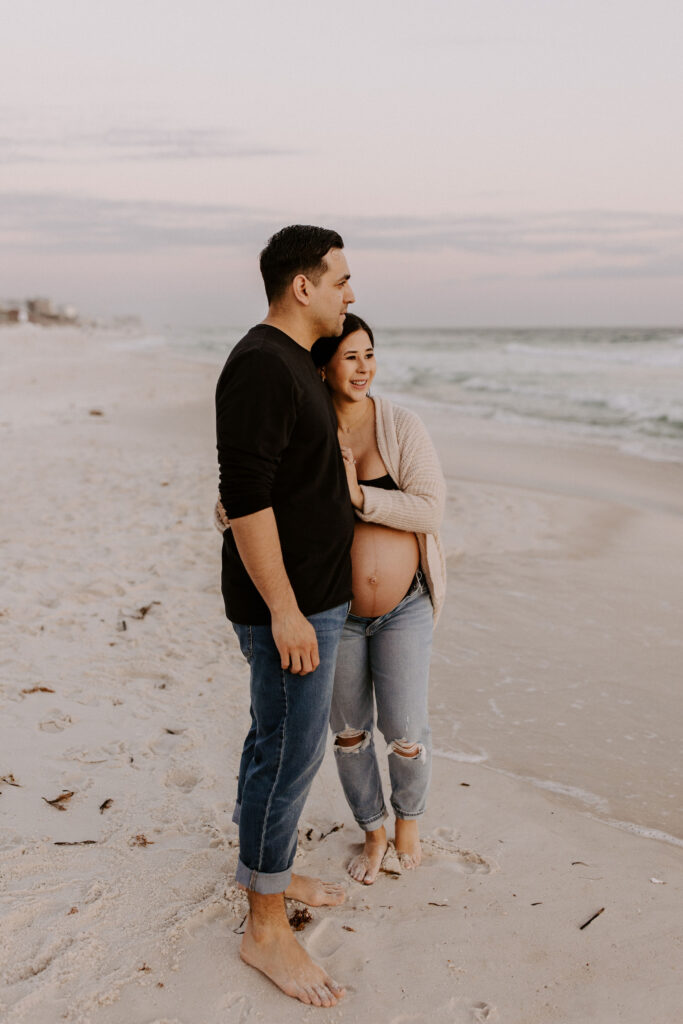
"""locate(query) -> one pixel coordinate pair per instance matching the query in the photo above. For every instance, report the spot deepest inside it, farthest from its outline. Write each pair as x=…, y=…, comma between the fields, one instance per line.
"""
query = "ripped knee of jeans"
x=351, y=741
x=406, y=748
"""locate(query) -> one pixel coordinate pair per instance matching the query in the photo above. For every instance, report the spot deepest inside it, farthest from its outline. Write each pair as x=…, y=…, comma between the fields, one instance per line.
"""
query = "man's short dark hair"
x=297, y=249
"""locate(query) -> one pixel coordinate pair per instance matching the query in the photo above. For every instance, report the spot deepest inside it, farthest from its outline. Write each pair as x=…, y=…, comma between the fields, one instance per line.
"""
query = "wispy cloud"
x=131, y=143
x=71, y=223
x=589, y=243
x=597, y=232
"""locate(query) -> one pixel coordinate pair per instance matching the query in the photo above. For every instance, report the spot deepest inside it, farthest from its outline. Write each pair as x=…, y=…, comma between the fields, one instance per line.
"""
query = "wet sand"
x=563, y=655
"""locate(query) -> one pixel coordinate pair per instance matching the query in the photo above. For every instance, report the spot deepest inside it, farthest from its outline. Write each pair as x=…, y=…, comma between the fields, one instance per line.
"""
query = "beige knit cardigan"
x=418, y=506
x=412, y=463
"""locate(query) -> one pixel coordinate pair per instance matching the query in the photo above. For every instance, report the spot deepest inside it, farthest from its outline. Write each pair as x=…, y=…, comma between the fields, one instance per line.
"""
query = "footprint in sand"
x=447, y=836
x=58, y=722
x=183, y=779
x=325, y=940
x=462, y=1011
x=237, y=1010
x=442, y=845
x=482, y=1012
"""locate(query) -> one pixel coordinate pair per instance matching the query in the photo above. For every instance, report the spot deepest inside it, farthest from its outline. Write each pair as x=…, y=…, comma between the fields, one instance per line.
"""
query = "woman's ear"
x=321, y=372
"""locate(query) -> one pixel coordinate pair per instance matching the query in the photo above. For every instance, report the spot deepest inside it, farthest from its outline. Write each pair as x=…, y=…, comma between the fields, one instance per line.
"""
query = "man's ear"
x=300, y=289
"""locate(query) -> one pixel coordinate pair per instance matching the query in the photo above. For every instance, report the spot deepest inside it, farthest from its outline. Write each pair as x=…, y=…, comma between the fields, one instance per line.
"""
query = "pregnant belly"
x=384, y=562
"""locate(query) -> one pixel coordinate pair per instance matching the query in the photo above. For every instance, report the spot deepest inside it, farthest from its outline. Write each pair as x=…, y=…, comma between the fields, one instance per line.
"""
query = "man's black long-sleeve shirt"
x=277, y=447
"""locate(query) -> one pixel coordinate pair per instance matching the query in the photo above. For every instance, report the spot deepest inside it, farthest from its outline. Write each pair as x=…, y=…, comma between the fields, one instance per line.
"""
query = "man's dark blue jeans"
x=283, y=750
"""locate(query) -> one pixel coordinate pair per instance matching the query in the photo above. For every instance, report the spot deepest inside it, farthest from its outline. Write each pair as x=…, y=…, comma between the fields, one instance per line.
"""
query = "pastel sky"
x=490, y=162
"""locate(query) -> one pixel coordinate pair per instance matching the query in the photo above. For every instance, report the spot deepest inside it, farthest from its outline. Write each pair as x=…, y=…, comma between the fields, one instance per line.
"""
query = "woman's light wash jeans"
x=390, y=654
x=283, y=750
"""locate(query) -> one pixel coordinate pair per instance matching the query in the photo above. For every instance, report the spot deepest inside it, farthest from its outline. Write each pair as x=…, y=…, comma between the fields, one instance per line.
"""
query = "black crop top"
x=385, y=482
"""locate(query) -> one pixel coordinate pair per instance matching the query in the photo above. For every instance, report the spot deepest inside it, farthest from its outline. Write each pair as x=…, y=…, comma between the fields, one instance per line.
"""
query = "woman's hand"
x=357, y=498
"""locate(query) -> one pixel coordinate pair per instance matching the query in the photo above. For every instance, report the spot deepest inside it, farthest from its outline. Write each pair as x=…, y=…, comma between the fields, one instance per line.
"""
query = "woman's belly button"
x=384, y=562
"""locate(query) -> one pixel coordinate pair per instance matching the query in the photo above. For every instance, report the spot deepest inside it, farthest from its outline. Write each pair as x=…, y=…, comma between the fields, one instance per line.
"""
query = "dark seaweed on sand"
x=140, y=840
x=59, y=801
x=299, y=919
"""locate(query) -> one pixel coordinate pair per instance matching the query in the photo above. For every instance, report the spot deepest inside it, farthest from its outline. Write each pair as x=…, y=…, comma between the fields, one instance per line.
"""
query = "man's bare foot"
x=275, y=952
x=314, y=892
x=407, y=843
x=364, y=867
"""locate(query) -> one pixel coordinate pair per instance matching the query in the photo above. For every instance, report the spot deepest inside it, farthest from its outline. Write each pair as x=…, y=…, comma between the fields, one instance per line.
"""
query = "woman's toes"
x=408, y=862
x=357, y=868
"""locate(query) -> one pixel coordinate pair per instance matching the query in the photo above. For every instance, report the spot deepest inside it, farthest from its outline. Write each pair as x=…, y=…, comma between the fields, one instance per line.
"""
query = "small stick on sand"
x=591, y=919
x=335, y=828
x=78, y=842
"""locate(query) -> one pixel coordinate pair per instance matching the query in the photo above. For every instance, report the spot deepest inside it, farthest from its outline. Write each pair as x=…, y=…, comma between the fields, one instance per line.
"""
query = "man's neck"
x=293, y=327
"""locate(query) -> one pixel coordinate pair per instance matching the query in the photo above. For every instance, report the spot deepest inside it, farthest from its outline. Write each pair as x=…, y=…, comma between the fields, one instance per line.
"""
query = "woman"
x=398, y=492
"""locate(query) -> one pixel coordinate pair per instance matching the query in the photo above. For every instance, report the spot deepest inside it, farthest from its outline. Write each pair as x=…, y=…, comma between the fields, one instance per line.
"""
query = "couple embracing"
x=333, y=577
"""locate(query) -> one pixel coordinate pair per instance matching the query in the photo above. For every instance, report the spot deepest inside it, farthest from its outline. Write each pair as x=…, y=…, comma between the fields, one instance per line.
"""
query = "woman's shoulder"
x=404, y=421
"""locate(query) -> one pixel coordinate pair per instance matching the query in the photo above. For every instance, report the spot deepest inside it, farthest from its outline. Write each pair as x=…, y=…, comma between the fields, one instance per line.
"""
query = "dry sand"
x=556, y=708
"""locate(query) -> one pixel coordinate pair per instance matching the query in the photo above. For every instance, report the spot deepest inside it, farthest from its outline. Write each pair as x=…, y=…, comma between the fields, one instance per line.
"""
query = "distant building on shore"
x=12, y=312
x=44, y=311
x=38, y=311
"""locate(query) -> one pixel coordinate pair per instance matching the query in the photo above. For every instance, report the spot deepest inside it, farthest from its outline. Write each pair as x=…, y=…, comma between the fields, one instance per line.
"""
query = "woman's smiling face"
x=351, y=369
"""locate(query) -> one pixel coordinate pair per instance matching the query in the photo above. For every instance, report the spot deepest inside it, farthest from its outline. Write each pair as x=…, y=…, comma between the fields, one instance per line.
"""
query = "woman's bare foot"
x=269, y=946
x=314, y=892
x=407, y=843
x=364, y=867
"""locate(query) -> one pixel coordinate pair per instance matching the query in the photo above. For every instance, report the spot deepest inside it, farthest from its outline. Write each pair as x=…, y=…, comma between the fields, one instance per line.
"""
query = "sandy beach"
x=556, y=709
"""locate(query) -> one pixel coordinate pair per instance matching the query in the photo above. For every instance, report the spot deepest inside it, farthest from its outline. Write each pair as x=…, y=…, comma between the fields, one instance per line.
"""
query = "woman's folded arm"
x=419, y=504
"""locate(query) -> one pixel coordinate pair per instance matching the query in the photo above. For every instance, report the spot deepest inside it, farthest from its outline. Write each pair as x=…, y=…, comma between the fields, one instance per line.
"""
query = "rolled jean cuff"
x=236, y=813
x=260, y=881
x=374, y=823
x=407, y=815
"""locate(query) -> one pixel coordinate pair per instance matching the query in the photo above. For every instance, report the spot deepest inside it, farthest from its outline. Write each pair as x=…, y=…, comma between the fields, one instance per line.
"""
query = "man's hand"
x=258, y=543
x=296, y=642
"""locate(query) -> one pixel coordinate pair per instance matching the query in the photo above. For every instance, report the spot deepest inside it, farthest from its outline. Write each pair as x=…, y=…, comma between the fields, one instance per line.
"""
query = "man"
x=286, y=580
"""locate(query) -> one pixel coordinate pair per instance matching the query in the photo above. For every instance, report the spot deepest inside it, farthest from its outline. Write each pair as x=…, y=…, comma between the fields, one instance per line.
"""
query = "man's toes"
x=326, y=996
x=335, y=988
x=300, y=992
x=313, y=997
x=335, y=892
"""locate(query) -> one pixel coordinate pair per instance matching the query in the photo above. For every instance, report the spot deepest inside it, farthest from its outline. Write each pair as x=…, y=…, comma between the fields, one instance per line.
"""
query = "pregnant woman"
x=398, y=492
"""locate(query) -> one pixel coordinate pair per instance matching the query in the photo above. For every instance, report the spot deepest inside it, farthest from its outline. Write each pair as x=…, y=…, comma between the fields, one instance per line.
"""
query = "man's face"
x=331, y=296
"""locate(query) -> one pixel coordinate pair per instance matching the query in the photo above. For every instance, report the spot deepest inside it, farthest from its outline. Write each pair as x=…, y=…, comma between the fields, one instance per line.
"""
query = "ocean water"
x=621, y=385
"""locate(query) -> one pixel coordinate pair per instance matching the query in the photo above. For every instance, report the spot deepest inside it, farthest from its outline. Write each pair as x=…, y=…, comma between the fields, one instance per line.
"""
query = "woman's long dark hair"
x=324, y=348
